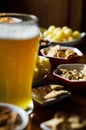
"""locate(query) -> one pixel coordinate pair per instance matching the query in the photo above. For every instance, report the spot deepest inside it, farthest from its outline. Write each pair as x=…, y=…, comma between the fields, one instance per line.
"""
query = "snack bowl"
x=44, y=43
x=41, y=71
x=70, y=43
x=64, y=35
x=61, y=60
x=73, y=76
x=66, y=121
x=13, y=117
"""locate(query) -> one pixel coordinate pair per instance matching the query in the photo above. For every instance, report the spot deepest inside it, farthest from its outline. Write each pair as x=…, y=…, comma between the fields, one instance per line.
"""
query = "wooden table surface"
x=76, y=103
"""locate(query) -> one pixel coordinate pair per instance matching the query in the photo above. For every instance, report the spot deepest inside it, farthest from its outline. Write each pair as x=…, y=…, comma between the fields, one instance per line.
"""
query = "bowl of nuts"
x=12, y=117
x=61, y=54
x=72, y=75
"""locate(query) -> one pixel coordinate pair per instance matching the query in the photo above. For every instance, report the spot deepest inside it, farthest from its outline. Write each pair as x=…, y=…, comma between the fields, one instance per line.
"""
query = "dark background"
x=46, y=14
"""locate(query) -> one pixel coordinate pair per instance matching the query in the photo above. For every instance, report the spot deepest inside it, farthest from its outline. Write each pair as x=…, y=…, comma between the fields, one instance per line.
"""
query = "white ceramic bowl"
x=71, y=43
x=23, y=115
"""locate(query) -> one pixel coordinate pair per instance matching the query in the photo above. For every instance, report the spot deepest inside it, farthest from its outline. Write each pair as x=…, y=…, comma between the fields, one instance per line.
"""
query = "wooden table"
x=75, y=104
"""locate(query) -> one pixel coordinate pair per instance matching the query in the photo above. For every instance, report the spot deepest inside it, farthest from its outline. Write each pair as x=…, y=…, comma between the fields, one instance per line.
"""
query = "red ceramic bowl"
x=57, y=61
x=75, y=85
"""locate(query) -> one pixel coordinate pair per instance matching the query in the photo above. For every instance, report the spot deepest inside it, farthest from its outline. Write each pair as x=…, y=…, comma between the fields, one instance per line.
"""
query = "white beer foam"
x=20, y=30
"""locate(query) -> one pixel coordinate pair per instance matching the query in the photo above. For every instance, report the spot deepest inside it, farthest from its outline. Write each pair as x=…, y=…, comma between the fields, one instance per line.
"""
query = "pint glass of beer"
x=19, y=43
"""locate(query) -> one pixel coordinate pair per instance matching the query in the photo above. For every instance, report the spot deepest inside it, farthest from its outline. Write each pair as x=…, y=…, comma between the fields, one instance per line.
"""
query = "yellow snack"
x=65, y=27
x=76, y=34
x=60, y=34
x=42, y=68
x=56, y=30
x=51, y=28
x=36, y=72
x=68, y=32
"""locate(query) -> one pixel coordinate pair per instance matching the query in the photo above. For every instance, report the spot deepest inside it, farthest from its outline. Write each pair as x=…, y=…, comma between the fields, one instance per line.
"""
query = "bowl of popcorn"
x=12, y=117
x=42, y=70
x=61, y=54
x=62, y=35
x=72, y=75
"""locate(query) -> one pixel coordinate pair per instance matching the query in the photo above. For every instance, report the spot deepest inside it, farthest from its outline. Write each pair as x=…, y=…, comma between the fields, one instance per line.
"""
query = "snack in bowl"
x=62, y=121
x=61, y=54
x=57, y=51
x=12, y=117
x=72, y=75
x=62, y=35
x=42, y=68
x=44, y=43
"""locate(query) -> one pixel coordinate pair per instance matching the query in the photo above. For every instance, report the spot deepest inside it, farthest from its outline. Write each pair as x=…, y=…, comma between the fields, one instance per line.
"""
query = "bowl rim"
x=24, y=116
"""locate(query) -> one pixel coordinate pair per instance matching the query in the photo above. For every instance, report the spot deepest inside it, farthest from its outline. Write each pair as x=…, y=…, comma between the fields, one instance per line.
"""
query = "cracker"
x=53, y=123
x=56, y=87
x=55, y=93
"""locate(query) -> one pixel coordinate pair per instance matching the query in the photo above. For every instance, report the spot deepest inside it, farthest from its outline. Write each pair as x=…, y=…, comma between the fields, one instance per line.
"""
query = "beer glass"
x=19, y=43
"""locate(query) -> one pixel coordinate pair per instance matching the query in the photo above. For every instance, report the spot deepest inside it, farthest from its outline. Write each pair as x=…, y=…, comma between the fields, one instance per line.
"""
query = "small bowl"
x=18, y=110
x=71, y=43
x=76, y=85
x=44, y=43
x=41, y=71
x=57, y=60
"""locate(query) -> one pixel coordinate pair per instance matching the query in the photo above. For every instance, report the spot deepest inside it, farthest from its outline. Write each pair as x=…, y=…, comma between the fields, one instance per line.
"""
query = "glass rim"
x=28, y=17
